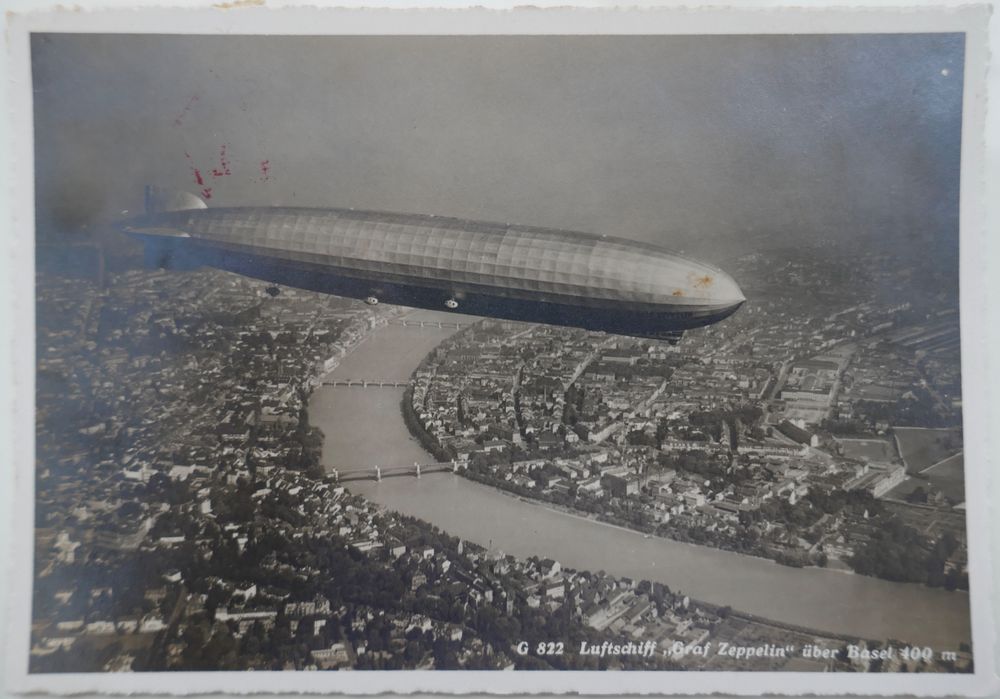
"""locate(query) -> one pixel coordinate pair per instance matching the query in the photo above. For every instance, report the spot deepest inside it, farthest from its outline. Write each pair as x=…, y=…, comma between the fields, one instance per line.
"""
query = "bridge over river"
x=364, y=428
x=440, y=324
x=377, y=473
x=366, y=383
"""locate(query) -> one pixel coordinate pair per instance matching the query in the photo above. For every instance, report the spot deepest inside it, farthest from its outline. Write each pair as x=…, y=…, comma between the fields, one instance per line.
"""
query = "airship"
x=497, y=270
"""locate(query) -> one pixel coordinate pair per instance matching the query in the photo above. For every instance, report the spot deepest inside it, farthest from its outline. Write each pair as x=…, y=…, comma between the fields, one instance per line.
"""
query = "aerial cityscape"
x=257, y=449
x=177, y=452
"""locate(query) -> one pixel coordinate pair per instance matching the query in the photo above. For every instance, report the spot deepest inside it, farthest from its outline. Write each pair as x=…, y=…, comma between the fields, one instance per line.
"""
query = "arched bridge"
x=377, y=473
x=366, y=383
x=428, y=323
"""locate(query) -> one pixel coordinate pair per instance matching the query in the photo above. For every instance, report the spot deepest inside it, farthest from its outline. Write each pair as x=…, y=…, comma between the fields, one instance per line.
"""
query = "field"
x=922, y=448
x=932, y=522
x=948, y=476
x=878, y=450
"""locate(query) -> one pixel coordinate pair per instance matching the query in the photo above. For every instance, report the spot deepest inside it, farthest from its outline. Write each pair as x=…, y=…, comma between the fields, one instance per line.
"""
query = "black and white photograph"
x=401, y=353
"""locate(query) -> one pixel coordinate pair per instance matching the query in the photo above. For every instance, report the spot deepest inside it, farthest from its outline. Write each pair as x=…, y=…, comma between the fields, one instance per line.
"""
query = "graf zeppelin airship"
x=514, y=272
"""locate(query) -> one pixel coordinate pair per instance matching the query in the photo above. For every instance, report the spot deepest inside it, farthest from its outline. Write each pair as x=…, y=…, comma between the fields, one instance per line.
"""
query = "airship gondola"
x=506, y=271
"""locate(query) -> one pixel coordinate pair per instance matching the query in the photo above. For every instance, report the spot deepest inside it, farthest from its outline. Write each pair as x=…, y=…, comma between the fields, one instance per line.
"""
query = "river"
x=364, y=427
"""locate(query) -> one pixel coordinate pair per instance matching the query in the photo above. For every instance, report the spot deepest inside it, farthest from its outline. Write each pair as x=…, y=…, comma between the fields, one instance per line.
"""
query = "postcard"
x=495, y=350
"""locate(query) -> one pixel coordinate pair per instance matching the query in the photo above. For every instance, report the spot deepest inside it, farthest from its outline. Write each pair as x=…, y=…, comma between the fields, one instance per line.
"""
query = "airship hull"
x=651, y=323
x=495, y=270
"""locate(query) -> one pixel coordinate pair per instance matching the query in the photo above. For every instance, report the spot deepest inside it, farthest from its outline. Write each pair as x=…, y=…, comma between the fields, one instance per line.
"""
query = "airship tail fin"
x=161, y=199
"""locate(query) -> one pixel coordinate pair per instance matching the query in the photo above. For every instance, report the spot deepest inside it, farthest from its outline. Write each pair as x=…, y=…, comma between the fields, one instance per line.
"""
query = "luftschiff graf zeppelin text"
x=679, y=649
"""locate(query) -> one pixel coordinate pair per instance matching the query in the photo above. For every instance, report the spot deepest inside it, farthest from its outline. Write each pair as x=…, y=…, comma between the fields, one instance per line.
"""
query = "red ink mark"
x=194, y=171
x=223, y=168
x=265, y=168
x=187, y=108
x=206, y=193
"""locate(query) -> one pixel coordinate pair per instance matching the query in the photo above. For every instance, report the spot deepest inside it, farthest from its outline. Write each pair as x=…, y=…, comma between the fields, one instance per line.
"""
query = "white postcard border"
x=980, y=441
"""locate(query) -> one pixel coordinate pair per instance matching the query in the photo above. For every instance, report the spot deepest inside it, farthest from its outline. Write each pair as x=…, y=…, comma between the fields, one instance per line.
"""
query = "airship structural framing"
x=497, y=270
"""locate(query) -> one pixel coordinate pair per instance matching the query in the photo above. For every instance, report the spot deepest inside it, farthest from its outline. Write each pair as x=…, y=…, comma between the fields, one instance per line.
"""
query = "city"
x=176, y=451
x=766, y=435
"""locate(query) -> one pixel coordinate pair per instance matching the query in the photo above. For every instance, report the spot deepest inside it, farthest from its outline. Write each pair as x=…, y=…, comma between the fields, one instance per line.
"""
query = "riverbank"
x=355, y=337
x=811, y=525
x=364, y=427
x=429, y=443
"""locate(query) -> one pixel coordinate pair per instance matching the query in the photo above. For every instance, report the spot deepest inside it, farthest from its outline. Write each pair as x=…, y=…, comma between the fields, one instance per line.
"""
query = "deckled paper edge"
x=247, y=17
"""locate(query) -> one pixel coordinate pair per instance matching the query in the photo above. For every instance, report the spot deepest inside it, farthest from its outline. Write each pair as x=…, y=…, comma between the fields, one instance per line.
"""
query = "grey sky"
x=687, y=141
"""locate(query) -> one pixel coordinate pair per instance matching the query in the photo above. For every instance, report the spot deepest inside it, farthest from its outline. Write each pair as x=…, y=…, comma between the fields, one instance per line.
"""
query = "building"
x=621, y=486
x=332, y=657
x=797, y=433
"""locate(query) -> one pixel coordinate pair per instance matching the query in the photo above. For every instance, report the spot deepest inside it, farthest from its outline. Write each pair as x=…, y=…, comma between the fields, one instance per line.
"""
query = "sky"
x=698, y=143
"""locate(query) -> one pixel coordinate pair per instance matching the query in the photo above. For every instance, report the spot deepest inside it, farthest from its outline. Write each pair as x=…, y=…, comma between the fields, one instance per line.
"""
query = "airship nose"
x=727, y=292
x=714, y=287
x=723, y=295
